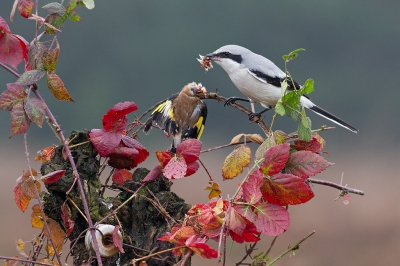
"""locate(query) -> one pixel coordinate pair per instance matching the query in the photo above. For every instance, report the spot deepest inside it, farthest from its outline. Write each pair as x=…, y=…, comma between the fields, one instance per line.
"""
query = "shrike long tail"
x=331, y=117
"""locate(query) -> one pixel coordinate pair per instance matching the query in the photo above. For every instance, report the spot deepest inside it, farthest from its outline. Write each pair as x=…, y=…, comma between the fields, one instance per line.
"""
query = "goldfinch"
x=182, y=115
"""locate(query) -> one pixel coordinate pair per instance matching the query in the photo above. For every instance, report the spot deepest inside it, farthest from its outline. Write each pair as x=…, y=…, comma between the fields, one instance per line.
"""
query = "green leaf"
x=89, y=3
x=57, y=88
x=56, y=20
x=74, y=16
x=304, y=129
x=30, y=77
x=308, y=86
x=285, y=57
x=50, y=59
x=283, y=87
x=71, y=6
x=297, y=51
x=279, y=108
x=55, y=8
x=291, y=102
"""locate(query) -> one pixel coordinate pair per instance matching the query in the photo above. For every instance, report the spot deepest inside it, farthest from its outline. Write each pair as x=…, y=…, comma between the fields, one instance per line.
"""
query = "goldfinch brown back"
x=183, y=115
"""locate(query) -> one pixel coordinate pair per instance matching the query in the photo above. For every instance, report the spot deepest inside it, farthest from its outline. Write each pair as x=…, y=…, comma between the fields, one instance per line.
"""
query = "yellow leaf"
x=214, y=190
x=237, y=138
x=235, y=161
x=57, y=234
x=20, y=245
x=36, y=217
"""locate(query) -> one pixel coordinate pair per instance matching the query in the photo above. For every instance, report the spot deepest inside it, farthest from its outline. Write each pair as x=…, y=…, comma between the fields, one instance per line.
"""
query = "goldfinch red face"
x=197, y=89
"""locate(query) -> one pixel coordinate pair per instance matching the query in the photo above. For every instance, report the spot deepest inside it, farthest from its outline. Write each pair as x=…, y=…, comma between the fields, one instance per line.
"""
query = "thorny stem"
x=334, y=185
x=60, y=133
x=46, y=226
x=226, y=145
x=248, y=252
x=291, y=249
x=24, y=260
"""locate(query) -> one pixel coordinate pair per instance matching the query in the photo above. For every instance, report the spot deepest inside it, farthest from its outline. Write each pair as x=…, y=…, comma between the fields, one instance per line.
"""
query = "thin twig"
x=133, y=261
x=25, y=260
x=206, y=170
x=270, y=246
x=226, y=145
x=77, y=208
x=248, y=252
x=291, y=249
x=334, y=185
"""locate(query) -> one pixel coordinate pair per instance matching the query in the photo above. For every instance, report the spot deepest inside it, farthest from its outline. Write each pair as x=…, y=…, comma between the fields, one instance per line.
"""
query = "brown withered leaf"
x=234, y=163
x=237, y=138
x=255, y=138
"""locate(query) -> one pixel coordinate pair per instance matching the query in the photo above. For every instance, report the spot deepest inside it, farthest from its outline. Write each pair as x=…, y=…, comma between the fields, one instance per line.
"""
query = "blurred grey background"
x=143, y=51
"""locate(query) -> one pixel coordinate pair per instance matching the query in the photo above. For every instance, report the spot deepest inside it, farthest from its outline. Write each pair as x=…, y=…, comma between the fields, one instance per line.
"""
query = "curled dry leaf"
x=237, y=138
x=255, y=138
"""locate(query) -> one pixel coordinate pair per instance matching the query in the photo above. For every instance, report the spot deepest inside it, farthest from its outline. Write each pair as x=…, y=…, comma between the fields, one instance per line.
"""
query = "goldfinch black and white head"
x=182, y=115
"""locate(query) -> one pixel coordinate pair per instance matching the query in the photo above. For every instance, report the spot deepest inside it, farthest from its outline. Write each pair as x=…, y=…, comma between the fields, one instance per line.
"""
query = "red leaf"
x=155, y=173
x=175, y=168
x=103, y=141
x=15, y=93
x=25, y=7
x=115, y=119
x=275, y=159
x=191, y=168
x=190, y=150
x=284, y=189
x=164, y=157
x=25, y=48
x=35, y=109
x=121, y=175
x=123, y=158
x=117, y=239
x=50, y=59
x=132, y=143
x=316, y=144
x=66, y=216
x=52, y=177
x=271, y=219
x=249, y=234
x=20, y=198
x=237, y=223
x=306, y=163
x=10, y=47
x=19, y=121
x=199, y=247
x=4, y=26
x=251, y=188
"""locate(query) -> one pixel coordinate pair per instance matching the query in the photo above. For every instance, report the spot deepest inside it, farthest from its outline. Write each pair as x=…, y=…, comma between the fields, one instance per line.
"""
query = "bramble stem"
x=334, y=185
x=291, y=249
